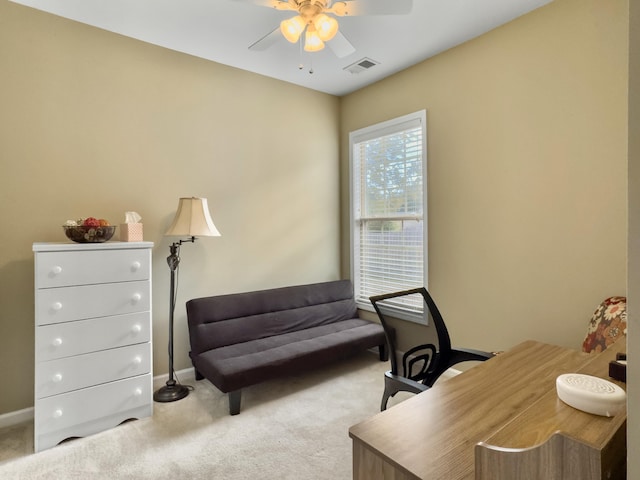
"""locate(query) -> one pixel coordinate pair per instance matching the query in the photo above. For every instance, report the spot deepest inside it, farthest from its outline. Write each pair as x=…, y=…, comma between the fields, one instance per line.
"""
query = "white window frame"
x=416, y=312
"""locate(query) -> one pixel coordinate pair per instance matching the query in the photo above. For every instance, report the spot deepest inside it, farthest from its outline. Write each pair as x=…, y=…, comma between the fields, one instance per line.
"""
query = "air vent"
x=361, y=65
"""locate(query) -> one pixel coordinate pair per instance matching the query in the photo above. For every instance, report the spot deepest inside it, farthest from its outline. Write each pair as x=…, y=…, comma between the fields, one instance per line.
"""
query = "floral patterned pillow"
x=608, y=324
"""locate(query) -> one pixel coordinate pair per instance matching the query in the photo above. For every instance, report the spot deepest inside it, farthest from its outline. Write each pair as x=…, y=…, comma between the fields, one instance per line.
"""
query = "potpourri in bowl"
x=89, y=230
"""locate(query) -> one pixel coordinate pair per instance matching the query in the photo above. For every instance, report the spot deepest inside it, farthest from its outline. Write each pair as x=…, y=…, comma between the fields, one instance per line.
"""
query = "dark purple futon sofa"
x=242, y=339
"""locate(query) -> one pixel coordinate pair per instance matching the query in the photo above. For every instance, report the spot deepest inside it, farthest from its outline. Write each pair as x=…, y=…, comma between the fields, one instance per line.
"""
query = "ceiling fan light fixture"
x=326, y=26
x=292, y=28
x=312, y=41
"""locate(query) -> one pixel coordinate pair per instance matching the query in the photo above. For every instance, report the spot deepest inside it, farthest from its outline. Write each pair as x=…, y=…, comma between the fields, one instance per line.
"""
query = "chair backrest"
x=443, y=349
x=607, y=325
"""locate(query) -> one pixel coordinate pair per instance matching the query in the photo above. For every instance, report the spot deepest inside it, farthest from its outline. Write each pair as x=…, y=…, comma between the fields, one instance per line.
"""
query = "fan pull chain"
x=301, y=64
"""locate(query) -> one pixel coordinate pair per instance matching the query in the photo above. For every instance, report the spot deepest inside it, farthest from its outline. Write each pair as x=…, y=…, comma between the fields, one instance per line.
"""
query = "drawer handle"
x=57, y=306
x=136, y=297
x=135, y=266
x=137, y=392
x=57, y=413
x=136, y=328
x=57, y=342
x=137, y=360
x=57, y=378
x=57, y=270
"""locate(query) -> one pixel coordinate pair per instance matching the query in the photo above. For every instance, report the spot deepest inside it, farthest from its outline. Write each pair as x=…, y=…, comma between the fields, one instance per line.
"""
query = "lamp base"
x=170, y=392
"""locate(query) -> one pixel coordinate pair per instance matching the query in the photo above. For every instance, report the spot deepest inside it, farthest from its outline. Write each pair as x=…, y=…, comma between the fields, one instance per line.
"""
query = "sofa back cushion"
x=229, y=319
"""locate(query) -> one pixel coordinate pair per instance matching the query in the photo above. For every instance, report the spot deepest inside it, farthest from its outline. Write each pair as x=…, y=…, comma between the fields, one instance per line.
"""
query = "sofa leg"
x=234, y=402
x=199, y=376
x=383, y=352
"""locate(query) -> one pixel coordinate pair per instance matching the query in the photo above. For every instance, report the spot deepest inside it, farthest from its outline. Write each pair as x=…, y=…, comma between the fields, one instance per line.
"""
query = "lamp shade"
x=326, y=26
x=292, y=28
x=193, y=220
x=312, y=41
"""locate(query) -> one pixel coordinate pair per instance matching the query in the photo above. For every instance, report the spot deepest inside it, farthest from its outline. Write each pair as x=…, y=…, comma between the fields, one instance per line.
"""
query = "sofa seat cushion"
x=236, y=366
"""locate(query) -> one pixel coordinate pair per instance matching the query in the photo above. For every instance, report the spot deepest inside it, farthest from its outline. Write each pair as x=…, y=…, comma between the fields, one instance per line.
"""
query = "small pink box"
x=130, y=232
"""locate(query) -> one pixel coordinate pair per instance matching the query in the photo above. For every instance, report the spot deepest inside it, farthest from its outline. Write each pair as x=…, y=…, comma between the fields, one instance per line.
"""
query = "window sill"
x=398, y=313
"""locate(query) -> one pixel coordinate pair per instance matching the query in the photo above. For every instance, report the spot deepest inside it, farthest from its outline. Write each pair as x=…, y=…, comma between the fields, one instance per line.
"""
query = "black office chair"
x=422, y=365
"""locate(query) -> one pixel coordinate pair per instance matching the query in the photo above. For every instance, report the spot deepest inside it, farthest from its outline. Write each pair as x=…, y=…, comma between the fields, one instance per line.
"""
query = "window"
x=388, y=212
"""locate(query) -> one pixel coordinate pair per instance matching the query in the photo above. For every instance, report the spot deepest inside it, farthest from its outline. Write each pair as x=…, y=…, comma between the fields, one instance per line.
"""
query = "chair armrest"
x=468, y=355
x=405, y=385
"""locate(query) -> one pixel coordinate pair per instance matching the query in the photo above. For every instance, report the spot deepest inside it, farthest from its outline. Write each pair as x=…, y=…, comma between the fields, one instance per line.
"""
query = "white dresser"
x=92, y=338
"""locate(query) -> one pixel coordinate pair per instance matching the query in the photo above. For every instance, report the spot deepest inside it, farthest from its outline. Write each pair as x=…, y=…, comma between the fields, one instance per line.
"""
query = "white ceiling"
x=222, y=31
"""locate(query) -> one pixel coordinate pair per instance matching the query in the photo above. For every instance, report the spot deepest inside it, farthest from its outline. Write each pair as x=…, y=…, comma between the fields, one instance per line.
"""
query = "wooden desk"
x=509, y=401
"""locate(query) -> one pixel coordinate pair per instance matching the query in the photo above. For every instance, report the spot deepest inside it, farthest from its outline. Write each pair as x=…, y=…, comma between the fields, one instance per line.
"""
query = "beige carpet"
x=294, y=428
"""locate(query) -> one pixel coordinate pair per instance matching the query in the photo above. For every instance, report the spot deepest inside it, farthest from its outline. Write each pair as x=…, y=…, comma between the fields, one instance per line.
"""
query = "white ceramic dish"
x=591, y=394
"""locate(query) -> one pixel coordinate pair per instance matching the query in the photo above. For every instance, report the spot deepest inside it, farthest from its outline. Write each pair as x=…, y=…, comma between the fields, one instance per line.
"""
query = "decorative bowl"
x=86, y=234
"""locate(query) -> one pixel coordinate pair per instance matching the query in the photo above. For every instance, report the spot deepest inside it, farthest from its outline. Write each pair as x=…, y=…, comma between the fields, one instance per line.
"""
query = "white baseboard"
x=14, y=418
x=19, y=416
x=188, y=375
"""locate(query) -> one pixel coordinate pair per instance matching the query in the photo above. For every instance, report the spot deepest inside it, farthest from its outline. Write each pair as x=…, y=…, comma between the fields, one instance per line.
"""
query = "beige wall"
x=527, y=165
x=527, y=130
x=93, y=123
x=633, y=342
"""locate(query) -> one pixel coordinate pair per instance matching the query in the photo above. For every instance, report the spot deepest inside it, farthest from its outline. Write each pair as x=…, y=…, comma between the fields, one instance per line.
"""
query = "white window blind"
x=388, y=168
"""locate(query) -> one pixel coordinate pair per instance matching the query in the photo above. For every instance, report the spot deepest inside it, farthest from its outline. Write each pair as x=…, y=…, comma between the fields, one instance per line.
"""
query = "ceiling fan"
x=316, y=20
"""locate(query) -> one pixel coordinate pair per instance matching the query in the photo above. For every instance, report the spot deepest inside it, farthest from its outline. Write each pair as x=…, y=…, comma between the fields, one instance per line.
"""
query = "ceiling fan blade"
x=266, y=41
x=277, y=4
x=341, y=46
x=371, y=7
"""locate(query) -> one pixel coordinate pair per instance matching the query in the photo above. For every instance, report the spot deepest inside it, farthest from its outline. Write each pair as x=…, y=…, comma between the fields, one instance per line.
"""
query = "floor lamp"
x=192, y=220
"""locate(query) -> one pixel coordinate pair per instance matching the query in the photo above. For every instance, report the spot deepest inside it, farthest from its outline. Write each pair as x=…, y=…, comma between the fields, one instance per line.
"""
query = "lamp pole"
x=192, y=218
x=172, y=390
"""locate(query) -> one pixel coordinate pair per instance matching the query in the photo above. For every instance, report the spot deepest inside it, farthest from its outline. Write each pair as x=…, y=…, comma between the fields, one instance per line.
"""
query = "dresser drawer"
x=62, y=269
x=72, y=373
x=80, y=407
x=54, y=305
x=67, y=339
